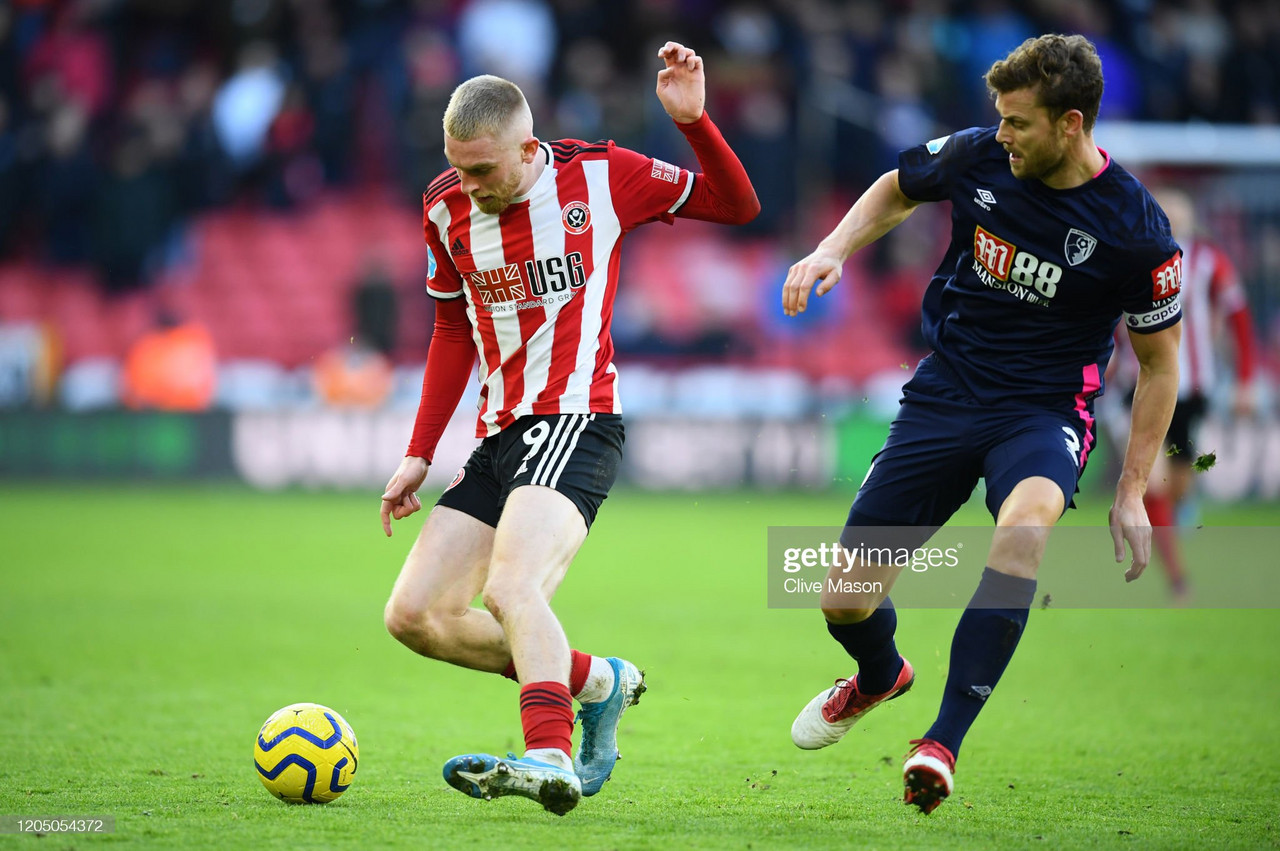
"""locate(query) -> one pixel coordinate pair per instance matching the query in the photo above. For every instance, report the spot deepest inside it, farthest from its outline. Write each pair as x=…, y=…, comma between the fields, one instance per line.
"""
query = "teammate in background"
x=1211, y=297
x=523, y=239
x=1052, y=244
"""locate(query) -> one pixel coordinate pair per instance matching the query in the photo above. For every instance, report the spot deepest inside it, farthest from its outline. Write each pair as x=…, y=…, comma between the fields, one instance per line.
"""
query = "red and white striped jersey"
x=540, y=277
x=1211, y=291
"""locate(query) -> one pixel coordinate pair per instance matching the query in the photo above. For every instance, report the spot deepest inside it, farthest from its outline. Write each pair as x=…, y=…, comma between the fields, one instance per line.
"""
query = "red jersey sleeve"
x=645, y=189
x=722, y=193
x=449, y=361
x=443, y=280
x=1227, y=295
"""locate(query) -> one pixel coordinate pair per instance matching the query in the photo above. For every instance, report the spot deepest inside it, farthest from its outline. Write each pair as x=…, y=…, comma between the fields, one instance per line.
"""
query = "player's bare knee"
x=846, y=616
x=498, y=599
x=402, y=621
x=1030, y=518
x=406, y=620
x=1031, y=534
x=421, y=629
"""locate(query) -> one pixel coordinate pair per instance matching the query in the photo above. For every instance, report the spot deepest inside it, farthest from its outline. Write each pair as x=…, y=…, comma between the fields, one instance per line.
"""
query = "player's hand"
x=1129, y=524
x=821, y=268
x=682, y=87
x=401, y=498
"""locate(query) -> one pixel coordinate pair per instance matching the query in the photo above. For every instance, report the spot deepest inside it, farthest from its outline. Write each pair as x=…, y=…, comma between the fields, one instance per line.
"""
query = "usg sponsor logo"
x=498, y=286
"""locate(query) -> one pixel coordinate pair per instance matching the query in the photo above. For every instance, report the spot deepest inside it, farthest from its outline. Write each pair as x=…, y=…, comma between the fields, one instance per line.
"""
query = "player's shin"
x=984, y=642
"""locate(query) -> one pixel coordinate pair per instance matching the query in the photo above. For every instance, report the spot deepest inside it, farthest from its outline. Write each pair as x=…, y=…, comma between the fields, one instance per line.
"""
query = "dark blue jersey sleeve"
x=1151, y=297
x=926, y=172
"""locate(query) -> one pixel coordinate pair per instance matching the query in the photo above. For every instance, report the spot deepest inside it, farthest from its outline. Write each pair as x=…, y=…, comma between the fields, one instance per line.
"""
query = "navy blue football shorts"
x=575, y=454
x=942, y=442
x=1187, y=415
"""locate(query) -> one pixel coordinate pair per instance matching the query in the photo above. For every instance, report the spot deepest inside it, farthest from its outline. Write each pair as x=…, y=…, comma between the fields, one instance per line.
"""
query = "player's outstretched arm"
x=400, y=499
x=880, y=209
x=1153, y=401
x=722, y=192
x=449, y=362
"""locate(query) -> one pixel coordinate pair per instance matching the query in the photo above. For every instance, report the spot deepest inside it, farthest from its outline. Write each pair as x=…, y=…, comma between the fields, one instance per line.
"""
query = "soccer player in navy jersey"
x=523, y=239
x=1052, y=244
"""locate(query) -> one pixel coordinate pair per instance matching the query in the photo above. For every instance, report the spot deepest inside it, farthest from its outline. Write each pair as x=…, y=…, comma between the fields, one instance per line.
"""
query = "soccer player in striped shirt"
x=523, y=240
x=1212, y=299
x=1052, y=245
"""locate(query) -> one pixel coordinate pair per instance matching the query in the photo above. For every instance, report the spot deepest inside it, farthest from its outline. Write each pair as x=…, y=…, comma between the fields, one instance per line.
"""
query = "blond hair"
x=484, y=106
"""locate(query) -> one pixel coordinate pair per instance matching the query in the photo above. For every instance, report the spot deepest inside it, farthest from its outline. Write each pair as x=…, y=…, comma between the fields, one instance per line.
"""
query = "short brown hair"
x=1064, y=70
x=483, y=106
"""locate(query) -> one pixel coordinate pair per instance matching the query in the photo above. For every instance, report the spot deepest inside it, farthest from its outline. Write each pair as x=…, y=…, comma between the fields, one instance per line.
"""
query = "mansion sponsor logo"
x=1000, y=265
x=1166, y=279
x=992, y=253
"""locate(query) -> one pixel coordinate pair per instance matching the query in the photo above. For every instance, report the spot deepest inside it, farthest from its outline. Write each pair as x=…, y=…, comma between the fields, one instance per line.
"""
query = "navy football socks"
x=984, y=642
x=870, y=643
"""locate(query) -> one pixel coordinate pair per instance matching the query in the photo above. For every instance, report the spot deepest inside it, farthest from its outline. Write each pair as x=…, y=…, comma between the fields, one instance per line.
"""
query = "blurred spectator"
x=374, y=306
x=358, y=373
x=171, y=368
x=247, y=103
x=353, y=376
x=299, y=95
x=121, y=121
x=515, y=39
x=133, y=211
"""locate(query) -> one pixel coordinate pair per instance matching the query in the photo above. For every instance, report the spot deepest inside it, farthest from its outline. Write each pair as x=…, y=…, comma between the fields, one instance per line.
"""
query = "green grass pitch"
x=145, y=634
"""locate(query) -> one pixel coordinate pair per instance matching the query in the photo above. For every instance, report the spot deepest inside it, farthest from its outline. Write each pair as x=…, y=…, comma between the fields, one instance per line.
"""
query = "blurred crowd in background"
x=255, y=166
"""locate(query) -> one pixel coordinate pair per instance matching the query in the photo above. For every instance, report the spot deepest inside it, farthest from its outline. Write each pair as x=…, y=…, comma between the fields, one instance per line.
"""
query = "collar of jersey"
x=547, y=176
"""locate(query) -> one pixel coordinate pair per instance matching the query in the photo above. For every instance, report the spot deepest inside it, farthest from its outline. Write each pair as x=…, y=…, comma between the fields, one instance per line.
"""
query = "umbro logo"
x=984, y=199
x=981, y=692
x=457, y=248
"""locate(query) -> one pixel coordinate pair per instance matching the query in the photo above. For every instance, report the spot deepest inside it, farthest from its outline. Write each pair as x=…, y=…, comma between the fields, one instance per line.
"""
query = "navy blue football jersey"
x=1025, y=303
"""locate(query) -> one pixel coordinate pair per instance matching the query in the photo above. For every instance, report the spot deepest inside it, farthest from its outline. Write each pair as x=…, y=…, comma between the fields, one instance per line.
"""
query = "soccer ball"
x=306, y=754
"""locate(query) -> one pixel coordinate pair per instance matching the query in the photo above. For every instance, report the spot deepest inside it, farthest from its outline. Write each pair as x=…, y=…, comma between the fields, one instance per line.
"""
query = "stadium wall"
x=339, y=449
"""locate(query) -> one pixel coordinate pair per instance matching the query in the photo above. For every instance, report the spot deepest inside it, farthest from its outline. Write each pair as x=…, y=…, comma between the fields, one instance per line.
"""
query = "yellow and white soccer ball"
x=306, y=754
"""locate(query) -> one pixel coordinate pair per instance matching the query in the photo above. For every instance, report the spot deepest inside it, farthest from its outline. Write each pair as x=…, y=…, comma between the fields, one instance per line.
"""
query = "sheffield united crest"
x=1079, y=246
